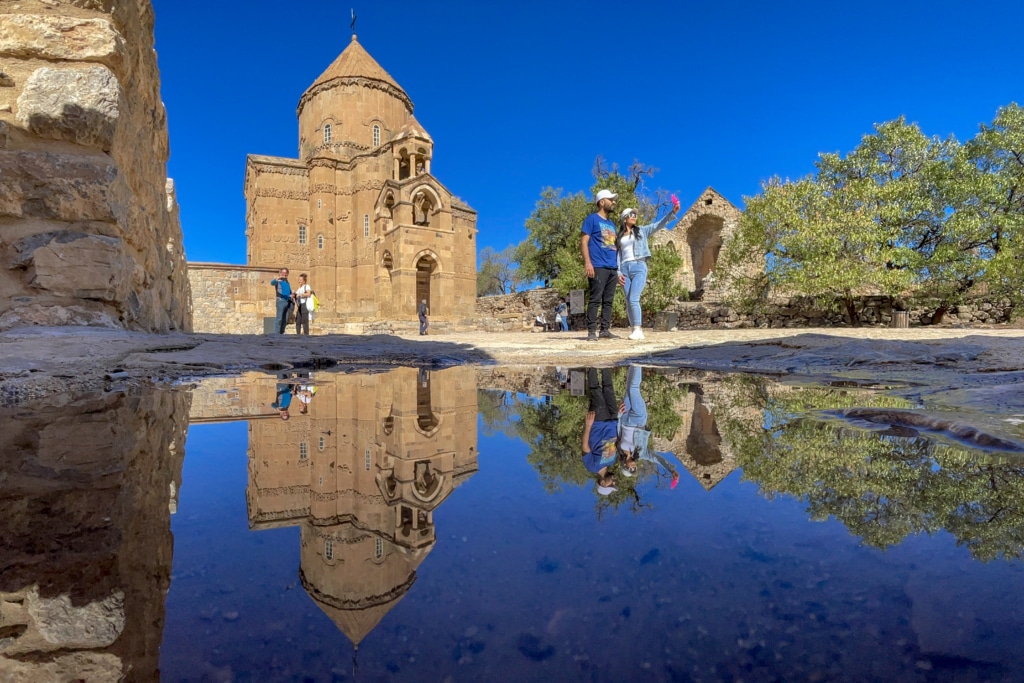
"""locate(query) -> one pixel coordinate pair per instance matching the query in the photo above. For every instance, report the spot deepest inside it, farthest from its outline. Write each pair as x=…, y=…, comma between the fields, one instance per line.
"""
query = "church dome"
x=353, y=63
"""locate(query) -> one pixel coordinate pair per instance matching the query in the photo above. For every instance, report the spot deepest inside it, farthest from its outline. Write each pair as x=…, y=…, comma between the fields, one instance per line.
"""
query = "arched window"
x=367, y=458
x=378, y=548
x=322, y=443
x=376, y=135
x=328, y=549
x=302, y=234
x=319, y=241
x=303, y=450
x=327, y=133
x=366, y=225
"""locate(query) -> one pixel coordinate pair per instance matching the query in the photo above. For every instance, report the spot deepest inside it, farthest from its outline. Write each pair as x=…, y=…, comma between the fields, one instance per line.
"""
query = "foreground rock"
x=90, y=222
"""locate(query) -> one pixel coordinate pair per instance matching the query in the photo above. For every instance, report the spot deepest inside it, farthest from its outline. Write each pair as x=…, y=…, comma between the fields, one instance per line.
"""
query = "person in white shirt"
x=304, y=311
x=633, y=251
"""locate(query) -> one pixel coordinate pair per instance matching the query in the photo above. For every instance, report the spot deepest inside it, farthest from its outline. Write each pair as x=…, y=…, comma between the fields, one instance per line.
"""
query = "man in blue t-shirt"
x=600, y=433
x=600, y=263
x=283, y=298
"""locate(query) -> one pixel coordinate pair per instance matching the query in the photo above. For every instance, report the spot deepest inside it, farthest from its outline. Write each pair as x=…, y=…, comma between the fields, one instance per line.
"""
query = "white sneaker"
x=638, y=333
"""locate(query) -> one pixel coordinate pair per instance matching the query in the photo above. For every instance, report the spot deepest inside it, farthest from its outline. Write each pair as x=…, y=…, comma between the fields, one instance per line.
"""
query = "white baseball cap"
x=626, y=212
x=605, y=490
x=605, y=194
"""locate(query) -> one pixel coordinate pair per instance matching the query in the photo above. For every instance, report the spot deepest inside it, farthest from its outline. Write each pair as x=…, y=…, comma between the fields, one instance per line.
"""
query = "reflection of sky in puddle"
x=445, y=520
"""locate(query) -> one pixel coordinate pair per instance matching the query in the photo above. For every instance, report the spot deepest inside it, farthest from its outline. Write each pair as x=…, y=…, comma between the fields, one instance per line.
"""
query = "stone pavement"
x=974, y=366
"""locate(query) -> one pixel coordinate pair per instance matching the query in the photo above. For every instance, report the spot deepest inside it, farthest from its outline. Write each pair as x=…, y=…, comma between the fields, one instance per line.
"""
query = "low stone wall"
x=91, y=233
x=517, y=311
x=229, y=299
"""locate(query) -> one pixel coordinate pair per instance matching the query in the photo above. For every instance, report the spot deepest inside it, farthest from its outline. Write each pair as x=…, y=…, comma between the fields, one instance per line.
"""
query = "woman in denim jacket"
x=633, y=249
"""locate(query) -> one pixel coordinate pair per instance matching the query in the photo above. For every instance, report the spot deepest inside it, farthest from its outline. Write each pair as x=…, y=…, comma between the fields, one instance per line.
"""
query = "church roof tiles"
x=355, y=62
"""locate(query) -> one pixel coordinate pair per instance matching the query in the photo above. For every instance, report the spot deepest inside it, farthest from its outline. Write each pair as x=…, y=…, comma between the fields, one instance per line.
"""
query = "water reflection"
x=883, y=484
x=360, y=470
x=87, y=487
x=720, y=576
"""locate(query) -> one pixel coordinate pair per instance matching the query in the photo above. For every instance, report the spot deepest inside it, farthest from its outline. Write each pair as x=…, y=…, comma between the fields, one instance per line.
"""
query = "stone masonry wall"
x=89, y=233
x=230, y=299
x=517, y=311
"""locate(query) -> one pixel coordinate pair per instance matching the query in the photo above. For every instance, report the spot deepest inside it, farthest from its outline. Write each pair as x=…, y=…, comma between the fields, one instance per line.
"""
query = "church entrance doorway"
x=425, y=268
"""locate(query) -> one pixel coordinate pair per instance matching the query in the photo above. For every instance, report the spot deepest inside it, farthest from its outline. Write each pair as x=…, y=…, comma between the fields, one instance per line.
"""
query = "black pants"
x=301, y=319
x=602, y=294
x=602, y=395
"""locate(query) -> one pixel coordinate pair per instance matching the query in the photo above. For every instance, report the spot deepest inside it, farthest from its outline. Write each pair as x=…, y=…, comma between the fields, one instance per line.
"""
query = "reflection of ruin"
x=89, y=485
x=361, y=475
x=698, y=443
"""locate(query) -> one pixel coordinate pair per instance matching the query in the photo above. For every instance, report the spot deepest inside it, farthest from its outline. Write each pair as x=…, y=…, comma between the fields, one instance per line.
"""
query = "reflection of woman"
x=304, y=310
x=634, y=250
x=634, y=437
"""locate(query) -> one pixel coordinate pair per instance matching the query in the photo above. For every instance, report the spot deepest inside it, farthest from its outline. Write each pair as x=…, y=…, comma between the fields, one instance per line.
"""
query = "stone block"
x=60, y=186
x=83, y=266
x=57, y=38
x=80, y=105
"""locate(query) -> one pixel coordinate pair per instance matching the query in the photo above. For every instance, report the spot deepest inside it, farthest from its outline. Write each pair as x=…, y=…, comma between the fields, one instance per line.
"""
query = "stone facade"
x=89, y=221
x=698, y=238
x=359, y=210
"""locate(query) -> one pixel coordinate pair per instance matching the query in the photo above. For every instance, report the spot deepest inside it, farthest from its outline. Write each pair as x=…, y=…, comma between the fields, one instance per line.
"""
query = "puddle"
x=506, y=524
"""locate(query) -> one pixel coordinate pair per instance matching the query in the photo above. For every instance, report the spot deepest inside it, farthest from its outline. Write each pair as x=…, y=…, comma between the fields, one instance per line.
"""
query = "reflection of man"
x=600, y=432
x=283, y=400
x=600, y=263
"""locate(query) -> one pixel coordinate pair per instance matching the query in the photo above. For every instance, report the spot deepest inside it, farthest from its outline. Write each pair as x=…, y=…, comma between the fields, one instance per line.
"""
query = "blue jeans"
x=636, y=280
x=564, y=324
x=283, y=306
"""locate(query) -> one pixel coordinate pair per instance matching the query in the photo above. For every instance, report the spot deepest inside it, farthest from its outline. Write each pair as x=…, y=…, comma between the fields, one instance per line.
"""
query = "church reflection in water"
x=361, y=468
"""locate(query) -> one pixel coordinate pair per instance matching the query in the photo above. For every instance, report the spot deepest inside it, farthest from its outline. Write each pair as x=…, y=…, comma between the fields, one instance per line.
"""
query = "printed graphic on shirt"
x=607, y=235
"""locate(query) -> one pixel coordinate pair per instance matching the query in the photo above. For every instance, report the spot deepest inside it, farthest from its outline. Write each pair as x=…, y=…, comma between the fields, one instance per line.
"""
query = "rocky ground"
x=978, y=368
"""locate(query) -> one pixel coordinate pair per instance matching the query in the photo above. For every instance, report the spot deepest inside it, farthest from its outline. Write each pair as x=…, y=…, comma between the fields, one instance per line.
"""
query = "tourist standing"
x=600, y=264
x=304, y=306
x=283, y=291
x=562, y=315
x=424, y=321
x=633, y=249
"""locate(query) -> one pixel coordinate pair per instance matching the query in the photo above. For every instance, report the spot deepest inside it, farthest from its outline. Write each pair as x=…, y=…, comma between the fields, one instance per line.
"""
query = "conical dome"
x=354, y=62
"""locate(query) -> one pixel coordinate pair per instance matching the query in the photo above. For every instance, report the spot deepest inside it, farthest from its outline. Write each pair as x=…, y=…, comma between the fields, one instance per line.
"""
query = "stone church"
x=359, y=210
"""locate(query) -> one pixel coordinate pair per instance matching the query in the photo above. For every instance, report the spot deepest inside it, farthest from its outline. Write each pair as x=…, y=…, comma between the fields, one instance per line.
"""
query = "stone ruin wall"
x=230, y=299
x=89, y=231
x=512, y=312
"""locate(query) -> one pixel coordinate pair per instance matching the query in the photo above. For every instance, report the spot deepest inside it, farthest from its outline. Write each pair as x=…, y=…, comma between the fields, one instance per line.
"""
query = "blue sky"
x=520, y=96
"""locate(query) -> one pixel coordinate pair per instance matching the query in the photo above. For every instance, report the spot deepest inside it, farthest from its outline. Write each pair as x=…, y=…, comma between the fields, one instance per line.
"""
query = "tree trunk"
x=851, y=311
x=940, y=313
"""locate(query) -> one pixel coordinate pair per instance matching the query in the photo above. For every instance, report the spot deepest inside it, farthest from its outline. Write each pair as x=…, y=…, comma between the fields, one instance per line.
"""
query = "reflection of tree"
x=883, y=488
x=497, y=412
x=553, y=430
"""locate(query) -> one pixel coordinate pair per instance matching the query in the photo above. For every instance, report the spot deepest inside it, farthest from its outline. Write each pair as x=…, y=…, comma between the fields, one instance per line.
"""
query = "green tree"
x=997, y=153
x=497, y=273
x=903, y=214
